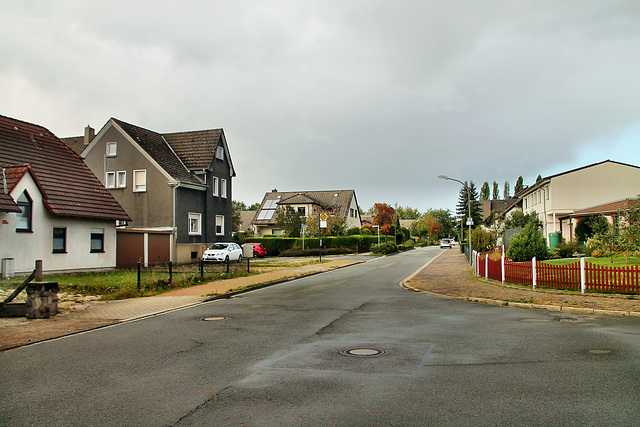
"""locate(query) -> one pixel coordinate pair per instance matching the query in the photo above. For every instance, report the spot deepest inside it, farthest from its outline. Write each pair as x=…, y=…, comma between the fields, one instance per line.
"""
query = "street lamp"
x=469, y=219
x=378, y=227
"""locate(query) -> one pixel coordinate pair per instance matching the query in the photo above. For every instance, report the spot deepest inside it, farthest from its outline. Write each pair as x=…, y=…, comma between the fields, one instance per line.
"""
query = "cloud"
x=376, y=96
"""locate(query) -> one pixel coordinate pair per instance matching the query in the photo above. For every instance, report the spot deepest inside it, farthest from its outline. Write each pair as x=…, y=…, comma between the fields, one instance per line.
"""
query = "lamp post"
x=378, y=227
x=469, y=219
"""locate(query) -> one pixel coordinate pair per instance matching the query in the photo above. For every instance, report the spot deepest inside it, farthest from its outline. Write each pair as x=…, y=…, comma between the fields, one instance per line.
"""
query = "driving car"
x=445, y=243
x=223, y=252
x=258, y=249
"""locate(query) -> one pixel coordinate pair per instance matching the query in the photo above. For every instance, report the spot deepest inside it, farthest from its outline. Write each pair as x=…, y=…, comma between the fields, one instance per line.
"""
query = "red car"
x=258, y=249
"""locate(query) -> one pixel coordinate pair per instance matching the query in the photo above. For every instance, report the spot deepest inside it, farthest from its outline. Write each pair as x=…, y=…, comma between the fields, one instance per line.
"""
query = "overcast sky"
x=376, y=96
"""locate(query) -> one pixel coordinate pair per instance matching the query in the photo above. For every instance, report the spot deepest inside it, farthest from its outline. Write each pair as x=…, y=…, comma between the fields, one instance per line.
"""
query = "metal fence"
x=167, y=272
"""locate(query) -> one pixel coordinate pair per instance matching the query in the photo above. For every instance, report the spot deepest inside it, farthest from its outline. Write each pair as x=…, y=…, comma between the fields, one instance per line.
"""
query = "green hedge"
x=275, y=245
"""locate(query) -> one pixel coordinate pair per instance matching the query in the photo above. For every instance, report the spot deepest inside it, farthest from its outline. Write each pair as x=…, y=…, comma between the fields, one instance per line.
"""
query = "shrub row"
x=275, y=245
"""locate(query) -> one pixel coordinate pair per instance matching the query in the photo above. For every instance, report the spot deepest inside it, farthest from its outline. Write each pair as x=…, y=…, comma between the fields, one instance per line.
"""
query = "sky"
x=376, y=96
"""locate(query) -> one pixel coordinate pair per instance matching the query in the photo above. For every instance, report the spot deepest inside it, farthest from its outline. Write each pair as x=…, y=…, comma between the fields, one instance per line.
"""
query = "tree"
x=447, y=221
x=290, y=221
x=507, y=189
x=485, y=192
x=483, y=240
x=607, y=237
x=527, y=244
x=630, y=228
x=241, y=206
x=335, y=226
x=427, y=225
x=235, y=216
x=519, y=186
x=469, y=192
x=519, y=220
x=496, y=191
x=589, y=226
x=385, y=217
x=407, y=212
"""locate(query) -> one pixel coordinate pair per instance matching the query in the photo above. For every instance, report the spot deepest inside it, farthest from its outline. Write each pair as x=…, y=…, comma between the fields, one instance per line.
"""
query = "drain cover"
x=362, y=352
x=213, y=319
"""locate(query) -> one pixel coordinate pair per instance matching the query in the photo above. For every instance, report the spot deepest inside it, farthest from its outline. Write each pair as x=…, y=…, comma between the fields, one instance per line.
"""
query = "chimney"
x=275, y=190
x=89, y=134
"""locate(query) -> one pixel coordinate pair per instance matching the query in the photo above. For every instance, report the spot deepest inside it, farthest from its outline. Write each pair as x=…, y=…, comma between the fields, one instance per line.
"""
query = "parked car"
x=258, y=249
x=453, y=242
x=223, y=252
x=445, y=243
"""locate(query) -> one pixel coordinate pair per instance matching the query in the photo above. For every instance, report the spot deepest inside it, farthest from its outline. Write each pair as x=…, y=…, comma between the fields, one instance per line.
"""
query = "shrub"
x=483, y=240
x=315, y=252
x=384, y=248
x=527, y=244
x=564, y=249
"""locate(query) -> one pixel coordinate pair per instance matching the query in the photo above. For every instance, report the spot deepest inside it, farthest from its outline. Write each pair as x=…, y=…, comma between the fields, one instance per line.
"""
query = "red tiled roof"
x=69, y=187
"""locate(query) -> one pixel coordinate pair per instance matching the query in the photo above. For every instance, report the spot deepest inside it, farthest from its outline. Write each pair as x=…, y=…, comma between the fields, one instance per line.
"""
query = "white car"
x=445, y=243
x=223, y=252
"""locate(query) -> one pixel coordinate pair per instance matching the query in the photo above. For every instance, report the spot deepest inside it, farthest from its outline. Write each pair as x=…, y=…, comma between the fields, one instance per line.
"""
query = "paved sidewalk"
x=449, y=276
x=15, y=332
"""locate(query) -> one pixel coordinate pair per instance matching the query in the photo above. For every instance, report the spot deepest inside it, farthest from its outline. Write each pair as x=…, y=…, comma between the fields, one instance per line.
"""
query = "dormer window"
x=112, y=149
x=23, y=219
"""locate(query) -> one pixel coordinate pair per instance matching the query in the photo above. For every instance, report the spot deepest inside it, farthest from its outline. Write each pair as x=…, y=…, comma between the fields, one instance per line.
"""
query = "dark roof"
x=159, y=149
x=337, y=201
x=196, y=148
x=68, y=187
x=76, y=143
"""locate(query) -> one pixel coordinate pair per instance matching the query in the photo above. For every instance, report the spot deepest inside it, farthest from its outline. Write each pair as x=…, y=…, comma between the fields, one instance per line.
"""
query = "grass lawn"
x=618, y=261
x=122, y=284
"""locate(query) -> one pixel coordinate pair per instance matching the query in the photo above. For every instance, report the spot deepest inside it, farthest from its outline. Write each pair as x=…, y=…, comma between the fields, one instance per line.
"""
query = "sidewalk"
x=15, y=332
x=449, y=276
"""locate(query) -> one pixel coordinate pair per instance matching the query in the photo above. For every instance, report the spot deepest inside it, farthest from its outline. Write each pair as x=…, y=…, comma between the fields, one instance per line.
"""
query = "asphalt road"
x=347, y=347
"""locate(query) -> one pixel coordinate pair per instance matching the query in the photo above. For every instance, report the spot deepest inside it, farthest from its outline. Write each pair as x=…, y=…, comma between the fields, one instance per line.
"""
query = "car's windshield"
x=219, y=246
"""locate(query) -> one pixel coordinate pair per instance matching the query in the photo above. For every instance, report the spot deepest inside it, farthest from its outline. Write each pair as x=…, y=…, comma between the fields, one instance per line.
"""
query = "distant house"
x=177, y=188
x=557, y=198
x=342, y=203
x=52, y=208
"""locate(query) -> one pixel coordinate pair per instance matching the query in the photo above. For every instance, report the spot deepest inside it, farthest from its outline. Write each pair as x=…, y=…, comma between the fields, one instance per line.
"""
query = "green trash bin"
x=554, y=239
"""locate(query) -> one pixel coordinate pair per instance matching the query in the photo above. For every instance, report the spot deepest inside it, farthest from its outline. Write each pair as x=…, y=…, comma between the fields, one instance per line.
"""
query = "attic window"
x=335, y=195
x=112, y=149
x=220, y=153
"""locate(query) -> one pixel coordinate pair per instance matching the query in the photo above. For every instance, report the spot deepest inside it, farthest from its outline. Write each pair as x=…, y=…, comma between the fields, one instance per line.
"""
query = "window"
x=547, y=192
x=214, y=184
x=97, y=240
x=140, y=180
x=195, y=221
x=352, y=212
x=112, y=149
x=121, y=179
x=302, y=210
x=219, y=225
x=223, y=188
x=111, y=180
x=23, y=219
x=220, y=153
x=59, y=240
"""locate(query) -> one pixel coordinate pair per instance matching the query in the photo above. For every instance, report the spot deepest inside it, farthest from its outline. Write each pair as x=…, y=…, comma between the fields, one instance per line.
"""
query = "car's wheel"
x=226, y=259
x=240, y=259
x=255, y=254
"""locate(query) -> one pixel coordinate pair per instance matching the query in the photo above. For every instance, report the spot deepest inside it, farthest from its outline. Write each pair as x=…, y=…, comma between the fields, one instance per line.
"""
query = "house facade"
x=341, y=203
x=52, y=208
x=556, y=198
x=177, y=184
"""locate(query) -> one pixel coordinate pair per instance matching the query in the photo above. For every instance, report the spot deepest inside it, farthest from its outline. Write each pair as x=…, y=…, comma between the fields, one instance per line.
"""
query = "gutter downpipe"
x=172, y=253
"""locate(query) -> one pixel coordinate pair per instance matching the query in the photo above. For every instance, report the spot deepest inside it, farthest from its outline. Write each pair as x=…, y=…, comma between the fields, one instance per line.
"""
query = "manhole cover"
x=362, y=352
x=214, y=318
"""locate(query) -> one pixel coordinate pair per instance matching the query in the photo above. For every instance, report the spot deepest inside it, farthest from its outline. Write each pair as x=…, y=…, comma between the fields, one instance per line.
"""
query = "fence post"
x=170, y=273
x=486, y=266
x=138, y=276
x=227, y=265
x=583, y=278
x=248, y=268
x=502, y=265
x=535, y=272
x=201, y=269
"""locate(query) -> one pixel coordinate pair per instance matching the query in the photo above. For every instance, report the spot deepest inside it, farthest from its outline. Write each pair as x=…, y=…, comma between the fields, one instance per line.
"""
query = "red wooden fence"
x=597, y=278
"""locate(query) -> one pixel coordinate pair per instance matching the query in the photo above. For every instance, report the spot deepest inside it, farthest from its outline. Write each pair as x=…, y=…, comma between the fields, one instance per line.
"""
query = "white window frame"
x=97, y=240
x=223, y=188
x=220, y=153
x=110, y=180
x=195, y=218
x=121, y=179
x=219, y=225
x=137, y=187
x=111, y=149
x=215, y=182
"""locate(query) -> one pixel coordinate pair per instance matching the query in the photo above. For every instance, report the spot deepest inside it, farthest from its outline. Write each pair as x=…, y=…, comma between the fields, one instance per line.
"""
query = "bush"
x=315, y=252
x=483, y=240
x=384, y=248
x=564, y=249
x=527, y=244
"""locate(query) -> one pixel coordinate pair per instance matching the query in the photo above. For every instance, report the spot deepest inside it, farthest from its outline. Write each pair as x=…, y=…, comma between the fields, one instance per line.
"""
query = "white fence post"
x=583, y=276
x=535, y=272
x=502, y=264
x=486, y=266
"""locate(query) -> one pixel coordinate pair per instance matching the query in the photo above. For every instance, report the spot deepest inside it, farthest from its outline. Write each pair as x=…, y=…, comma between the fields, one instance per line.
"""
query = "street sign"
x=469, y=221
x=323, y=220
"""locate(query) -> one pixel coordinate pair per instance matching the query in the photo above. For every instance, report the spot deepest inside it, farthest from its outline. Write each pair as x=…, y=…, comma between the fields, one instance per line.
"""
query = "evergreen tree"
x=485, y=192
x=469, y=192
x=496, y=191
x=507, y=190
x=519, y=186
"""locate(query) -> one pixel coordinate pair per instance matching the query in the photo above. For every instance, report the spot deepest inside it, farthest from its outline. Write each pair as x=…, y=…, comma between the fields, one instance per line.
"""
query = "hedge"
x=275, y=245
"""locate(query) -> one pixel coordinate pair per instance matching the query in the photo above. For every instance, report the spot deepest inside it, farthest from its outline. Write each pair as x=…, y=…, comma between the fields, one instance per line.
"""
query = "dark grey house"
x=176, y=187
